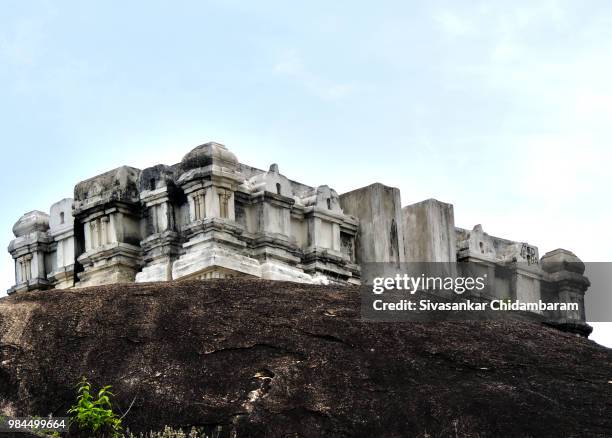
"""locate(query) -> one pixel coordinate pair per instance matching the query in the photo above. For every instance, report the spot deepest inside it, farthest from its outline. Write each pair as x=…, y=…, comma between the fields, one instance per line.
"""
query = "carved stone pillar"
x=197, y=206
x=95, y=237
x=104, y=230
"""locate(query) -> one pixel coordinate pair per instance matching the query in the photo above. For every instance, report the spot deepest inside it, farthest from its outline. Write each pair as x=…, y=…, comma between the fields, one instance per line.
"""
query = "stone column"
x=60, y=253
x=154, y=221
x=37, y=265
x=285, y=220
x=22, y=265
x=336, y=237
x=104, y=230
x=87, y=233
x=28, y=267
x=112, y=229
x=170, y=216
x=118, y=225
x=198, y=206
x=95, y=237
x=316, y=232
x=231, y=212
x=21, y=277
x=224, y=198
x=202, y=205
x=192, y=208
x=161, y=217
x=210, y=201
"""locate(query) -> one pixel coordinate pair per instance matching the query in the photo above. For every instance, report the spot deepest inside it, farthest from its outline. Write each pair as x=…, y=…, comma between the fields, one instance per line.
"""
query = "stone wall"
x=429, y=232
x=211, y=216
x=207, y=216
x=379, y=209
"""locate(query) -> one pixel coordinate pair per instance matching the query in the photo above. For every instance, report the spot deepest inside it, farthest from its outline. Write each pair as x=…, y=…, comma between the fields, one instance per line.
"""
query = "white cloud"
x=292, y=66
x=22, y=40
x=506, y=51
x=451, y=23
x=20, y=44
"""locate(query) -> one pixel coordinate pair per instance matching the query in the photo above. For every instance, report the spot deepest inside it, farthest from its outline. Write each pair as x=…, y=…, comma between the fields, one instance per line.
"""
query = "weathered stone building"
x=211, y=216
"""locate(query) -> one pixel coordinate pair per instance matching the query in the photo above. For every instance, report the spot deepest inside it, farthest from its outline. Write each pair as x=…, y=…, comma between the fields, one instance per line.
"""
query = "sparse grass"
x=169, y=432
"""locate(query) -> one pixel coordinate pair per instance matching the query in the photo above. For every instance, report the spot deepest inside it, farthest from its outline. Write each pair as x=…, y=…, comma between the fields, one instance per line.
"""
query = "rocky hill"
x=273, y=359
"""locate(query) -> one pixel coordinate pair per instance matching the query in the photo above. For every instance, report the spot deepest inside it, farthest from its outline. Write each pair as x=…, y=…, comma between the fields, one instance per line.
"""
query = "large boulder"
x=273, y=359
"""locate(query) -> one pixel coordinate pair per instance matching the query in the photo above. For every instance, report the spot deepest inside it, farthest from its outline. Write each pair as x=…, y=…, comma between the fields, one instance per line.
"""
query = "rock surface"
x=272, y=359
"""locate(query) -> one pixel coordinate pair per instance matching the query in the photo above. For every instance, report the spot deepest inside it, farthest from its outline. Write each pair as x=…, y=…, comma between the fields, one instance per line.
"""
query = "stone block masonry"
x=211, y=216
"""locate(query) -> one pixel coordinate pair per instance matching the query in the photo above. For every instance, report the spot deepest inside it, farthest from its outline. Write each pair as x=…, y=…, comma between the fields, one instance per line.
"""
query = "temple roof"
x=207, y=154
x=119, y=183
x=30, y=222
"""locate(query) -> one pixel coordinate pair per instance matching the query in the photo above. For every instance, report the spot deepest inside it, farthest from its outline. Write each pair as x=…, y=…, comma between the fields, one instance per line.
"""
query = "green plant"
x=95, y=415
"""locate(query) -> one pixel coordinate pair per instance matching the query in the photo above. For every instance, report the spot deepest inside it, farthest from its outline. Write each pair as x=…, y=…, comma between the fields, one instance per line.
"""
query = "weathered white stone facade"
x=211, y=216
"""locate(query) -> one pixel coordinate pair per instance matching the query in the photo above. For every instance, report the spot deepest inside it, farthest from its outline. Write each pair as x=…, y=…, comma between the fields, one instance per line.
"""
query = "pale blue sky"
x=502, y=109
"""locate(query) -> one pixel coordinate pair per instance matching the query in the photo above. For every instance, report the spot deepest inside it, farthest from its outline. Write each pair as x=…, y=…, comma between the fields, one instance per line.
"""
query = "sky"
x=500, y=108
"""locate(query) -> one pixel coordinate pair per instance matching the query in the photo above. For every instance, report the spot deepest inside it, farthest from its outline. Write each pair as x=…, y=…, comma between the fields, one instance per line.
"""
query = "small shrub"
x=95, y=415
x=169, y=432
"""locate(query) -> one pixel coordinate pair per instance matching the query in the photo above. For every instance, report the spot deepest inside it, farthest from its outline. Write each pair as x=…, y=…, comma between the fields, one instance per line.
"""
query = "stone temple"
x=211, y=216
